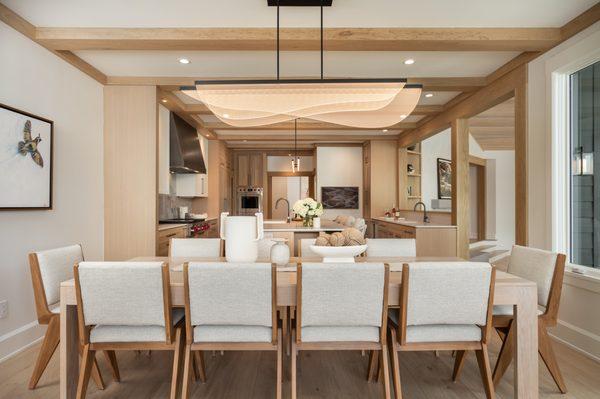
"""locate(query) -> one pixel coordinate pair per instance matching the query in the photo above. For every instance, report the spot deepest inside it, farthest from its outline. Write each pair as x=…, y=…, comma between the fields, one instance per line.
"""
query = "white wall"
x=579, y=321
x=340, y=167
x=34, y=80
x=164, y=177
x=435, y=147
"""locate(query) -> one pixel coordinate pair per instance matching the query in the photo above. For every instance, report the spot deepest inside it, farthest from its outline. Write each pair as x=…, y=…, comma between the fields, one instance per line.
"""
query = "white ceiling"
x=255, y=13
x=367, y=64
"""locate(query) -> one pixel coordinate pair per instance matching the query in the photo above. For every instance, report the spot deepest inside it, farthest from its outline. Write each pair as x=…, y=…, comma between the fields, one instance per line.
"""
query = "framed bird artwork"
x=25, y=160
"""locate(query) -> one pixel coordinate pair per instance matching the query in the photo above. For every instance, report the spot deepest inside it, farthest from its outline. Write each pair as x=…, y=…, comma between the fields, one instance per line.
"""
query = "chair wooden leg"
x=486, y=373
x=199, y=368
x=96, y=375
x=547, y=354
x=176, y=363
x=111, y=358
x=187, y=359
x=385, y=371
x=459, y=362
x=87, y=360
x=294, y=366
x=373, y=365
x=283, y=314
x=49, y=345
x=395, y=364
x=278, y=388
x=505, y=356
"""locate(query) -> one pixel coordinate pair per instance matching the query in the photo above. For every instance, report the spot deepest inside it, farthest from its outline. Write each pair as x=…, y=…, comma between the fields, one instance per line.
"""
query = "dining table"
x=509, y=290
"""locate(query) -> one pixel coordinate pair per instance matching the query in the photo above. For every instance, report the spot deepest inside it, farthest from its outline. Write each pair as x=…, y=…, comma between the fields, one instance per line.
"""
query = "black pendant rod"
x=321, y=39
x=277, y=39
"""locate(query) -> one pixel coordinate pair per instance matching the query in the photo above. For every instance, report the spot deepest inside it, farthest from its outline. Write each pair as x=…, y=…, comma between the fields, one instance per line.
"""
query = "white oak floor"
x=321, y=375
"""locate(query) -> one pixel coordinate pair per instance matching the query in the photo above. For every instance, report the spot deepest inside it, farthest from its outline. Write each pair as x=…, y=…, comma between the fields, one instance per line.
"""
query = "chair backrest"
x=342, y=294
x=539, y=266
x=446, y=293
x=49, y=269
x=305, y=251
x=123, y=293
x=220, y=293
x=391, y=247
x=195, y=247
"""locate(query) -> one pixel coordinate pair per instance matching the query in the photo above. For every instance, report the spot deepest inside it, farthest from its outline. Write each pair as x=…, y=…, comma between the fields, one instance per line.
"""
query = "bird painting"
x=29, y=145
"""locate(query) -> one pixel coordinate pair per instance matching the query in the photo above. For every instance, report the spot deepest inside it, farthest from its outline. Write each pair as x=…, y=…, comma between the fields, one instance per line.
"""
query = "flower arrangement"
x=308, y=209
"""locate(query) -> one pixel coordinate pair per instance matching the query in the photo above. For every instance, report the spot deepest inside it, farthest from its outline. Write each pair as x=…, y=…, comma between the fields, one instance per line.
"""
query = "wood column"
x=460, y=185
x=521, y=199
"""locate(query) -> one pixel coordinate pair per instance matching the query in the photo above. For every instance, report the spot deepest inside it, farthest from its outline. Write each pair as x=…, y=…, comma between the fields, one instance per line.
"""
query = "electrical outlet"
x=3, y=309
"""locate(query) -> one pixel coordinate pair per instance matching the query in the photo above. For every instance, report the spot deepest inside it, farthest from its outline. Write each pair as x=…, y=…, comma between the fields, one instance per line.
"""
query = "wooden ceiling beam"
x=300, y=39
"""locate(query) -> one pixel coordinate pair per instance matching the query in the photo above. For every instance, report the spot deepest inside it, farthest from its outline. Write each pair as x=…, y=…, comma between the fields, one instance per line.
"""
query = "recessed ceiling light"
x=163, y=100
x=225, y=115
x=384, y=130
x=409, y=61
x=402, y=116
x=184, y=61
x=429, y=95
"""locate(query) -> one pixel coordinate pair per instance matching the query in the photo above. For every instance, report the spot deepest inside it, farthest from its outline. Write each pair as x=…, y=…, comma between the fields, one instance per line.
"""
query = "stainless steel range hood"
x=185, y=155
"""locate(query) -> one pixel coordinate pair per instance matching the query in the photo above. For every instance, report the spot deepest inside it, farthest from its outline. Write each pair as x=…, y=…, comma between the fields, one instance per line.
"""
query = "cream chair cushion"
x=127, y=333
x=305, y=250
x=438, y=332
x=56, y=266
x=340, y=334
x=233, y=334
x=226, y=298
x=391, y=247
x=342, y=294
x=534, y=265
x=196, y=247
x=507, y=310
x=122, y=293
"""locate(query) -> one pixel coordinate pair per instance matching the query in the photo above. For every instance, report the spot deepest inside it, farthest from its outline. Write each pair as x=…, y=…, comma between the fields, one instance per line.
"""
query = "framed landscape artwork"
x=25, y=160
x=339, y=197
x=444, y=175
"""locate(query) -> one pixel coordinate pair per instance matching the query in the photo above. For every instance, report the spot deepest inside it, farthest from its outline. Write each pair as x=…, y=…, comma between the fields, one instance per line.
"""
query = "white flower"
x=308, y=207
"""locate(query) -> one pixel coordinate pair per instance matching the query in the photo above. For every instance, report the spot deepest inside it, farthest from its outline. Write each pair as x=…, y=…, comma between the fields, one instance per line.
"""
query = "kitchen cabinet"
x=191, y=185
x=163, y=238
x=249, y=169
x=380, y=182
x=213, y=229
x=432, y=240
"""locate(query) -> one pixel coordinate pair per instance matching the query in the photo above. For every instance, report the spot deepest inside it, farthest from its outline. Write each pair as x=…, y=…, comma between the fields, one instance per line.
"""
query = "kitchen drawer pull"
x=171, y=235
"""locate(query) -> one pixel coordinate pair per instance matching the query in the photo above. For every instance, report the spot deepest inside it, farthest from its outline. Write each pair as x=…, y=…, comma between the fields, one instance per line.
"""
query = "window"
x=585, y=173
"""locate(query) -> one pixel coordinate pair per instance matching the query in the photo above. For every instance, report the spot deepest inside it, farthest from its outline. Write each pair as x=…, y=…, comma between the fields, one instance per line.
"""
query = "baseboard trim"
x=578, y=339
x=20, y=339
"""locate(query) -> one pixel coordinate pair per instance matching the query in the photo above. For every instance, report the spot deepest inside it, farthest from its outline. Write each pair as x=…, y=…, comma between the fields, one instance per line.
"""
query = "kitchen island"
x=294, y=231
x=433, y=239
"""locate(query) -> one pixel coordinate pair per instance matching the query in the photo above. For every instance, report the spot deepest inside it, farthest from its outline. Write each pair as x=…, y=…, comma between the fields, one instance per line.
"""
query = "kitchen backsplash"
x=168, y=206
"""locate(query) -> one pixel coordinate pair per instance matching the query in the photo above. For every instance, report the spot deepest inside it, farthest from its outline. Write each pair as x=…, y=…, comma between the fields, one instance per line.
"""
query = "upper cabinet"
x=249, y=169
x=191, y=185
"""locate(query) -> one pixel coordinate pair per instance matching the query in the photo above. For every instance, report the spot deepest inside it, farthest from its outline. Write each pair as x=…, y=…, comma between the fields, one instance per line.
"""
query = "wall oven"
x=249, y=200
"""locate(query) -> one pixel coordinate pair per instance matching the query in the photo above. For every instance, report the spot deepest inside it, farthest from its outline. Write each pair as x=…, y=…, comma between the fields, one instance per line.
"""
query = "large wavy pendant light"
x=363, y=103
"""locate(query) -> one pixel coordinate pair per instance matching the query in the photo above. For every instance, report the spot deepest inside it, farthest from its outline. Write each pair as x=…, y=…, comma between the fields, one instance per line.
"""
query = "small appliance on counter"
x=249, y=201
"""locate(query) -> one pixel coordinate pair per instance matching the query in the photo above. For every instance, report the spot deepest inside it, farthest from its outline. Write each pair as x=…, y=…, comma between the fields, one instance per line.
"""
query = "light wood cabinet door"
x=256, y=170
x=243, y=169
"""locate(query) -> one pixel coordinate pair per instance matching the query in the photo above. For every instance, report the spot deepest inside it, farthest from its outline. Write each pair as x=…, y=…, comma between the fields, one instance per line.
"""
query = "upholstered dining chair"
x=341, y=307
x=304, y=249
x=230, y=306
x=48, y=269
x=195, y=247
x=547, y=270
x=391, y=247
x=444, y=306
x=126, y=306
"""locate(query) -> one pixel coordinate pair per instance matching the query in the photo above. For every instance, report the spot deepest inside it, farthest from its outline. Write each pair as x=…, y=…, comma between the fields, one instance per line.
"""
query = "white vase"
x=241, y=235
x=317, y=223
x=280, y=252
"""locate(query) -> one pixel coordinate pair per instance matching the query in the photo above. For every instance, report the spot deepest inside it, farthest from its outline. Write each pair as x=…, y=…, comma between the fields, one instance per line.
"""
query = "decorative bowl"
x=338, y=254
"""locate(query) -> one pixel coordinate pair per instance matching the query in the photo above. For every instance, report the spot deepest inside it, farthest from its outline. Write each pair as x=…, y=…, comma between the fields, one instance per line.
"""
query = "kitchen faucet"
x=288, y=207
x=425, y=217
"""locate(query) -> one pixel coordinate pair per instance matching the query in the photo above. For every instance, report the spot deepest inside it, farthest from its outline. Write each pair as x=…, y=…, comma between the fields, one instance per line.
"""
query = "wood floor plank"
x=324, y=374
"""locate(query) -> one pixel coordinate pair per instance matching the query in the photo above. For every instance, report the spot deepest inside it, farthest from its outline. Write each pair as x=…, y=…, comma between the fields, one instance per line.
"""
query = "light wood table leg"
x=69, y=353
x=526, y=348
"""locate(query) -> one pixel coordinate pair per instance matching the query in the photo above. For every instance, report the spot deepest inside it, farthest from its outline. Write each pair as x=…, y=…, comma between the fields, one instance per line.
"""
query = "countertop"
x=411, y=223
x=326, y=225
x=167, y=226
